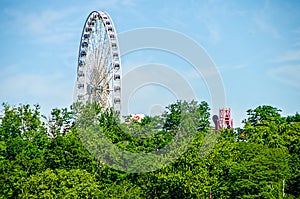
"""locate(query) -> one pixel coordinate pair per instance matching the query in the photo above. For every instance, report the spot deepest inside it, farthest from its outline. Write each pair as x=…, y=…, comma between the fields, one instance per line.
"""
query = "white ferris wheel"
x=99, y=64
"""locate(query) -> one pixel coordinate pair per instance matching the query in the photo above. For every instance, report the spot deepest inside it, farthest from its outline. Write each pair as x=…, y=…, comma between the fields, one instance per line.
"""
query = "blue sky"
x=255, y=45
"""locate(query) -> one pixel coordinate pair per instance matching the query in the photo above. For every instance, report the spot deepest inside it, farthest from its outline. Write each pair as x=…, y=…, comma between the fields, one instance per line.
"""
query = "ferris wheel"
x=99, y=64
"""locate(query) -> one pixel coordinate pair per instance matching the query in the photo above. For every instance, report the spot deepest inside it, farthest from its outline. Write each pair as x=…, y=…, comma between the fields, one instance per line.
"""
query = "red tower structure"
x=224, y=120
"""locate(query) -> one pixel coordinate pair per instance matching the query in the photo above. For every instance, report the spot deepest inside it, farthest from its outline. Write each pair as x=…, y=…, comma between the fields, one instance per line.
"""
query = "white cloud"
x=214, y=33
x=238, y=13
x=232, y=66
x=264, y=20
x=128, y=2
x=46, y=26
x=111, y=4
x=17, y=86
x=297, y=43
x=292, y=55
x=190, y=15
x=266, y=26
x=33, y=85
x=287, y=74
x=296, y=32
x=57, y=25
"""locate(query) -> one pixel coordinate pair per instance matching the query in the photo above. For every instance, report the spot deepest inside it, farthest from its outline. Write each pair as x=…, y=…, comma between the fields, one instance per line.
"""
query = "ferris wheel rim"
x=113, y=92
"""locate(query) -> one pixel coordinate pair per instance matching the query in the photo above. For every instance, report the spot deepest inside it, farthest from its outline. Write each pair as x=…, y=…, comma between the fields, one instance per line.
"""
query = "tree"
x=21, y=121
x=60, y=121
x=61, y=183
x=176, y=112
x=279, y=133
x=293, y=118
x=248, y=170
x=263, y=114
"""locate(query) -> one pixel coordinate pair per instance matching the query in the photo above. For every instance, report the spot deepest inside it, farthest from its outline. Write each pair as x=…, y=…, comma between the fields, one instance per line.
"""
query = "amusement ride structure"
x=99, y=63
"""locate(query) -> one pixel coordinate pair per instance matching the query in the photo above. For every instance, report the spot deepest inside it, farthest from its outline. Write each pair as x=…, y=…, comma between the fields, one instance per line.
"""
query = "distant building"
x=224, y=121
x=137, y=117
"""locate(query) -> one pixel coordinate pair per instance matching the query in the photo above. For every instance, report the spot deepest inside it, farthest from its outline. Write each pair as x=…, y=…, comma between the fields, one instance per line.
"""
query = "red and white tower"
x=224, y=120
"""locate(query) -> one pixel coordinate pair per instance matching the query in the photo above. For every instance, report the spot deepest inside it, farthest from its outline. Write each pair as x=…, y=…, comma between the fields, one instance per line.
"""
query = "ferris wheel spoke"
x=104, y=54
x=108, y=80
x=99, y=57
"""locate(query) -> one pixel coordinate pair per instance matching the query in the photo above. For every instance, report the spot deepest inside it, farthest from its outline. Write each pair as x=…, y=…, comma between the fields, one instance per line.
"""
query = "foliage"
x=50, y=158
x=60, y=183
x=263, y=114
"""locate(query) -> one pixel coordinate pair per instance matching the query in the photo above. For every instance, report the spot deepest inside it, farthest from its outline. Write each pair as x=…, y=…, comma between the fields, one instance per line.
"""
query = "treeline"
x=79, y=153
